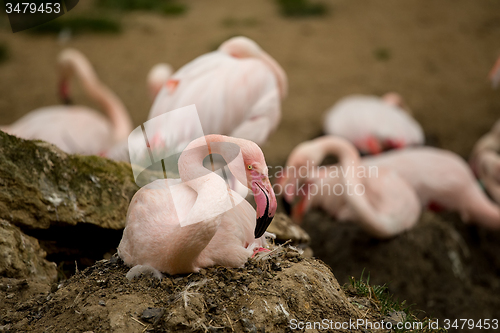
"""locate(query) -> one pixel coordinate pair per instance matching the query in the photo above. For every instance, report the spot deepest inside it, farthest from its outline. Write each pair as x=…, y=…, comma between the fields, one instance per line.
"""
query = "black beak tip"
x=262, y=224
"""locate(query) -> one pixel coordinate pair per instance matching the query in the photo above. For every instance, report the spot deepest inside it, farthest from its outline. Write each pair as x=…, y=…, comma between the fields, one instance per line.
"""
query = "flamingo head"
x=495, y=74
x=157, y=77
x=243, y=47
x=257, y=177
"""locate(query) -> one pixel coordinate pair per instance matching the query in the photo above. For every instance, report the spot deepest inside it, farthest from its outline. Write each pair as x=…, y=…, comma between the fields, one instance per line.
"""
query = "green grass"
x=79, y=24
x=167, y=7
x=386, y=303
x=301, y=8
x=4, y=52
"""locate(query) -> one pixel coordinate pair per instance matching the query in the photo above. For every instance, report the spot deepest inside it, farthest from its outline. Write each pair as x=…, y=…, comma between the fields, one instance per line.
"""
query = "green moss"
x=42, y=186
x=301, y=8
x=79, y=24
x=167, y=7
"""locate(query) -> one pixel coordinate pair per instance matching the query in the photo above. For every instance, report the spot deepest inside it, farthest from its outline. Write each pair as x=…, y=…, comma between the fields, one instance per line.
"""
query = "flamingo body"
x=94, y=131
x=443, y=178
x=235, y=94
x=372, y=124
x=179, y=226
x=150, y=236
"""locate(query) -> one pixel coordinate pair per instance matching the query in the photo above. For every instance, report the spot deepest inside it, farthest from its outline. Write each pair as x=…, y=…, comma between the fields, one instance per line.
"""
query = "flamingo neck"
x=111, y=104
x=349, y=161
x=278, y=72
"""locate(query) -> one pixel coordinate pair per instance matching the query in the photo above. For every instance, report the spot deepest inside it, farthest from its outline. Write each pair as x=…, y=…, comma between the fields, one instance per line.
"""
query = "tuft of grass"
x=167, y=7
x=79, y=24
x=382, y=54
x=4, y=52
x=301, y=8
x=385, y=302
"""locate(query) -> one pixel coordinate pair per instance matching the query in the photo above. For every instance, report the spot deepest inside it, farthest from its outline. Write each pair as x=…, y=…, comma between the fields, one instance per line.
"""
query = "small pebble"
x=102, y=303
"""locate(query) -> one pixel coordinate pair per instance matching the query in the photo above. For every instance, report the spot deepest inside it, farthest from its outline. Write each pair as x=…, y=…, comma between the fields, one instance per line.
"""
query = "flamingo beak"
x=300, y=209
x=266, y=203
x=373, y=145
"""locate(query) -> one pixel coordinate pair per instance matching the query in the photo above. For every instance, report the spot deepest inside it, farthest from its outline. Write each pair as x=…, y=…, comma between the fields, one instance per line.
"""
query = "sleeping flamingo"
x=181, y=225
x=440, y=179
x=484, y=160
x=374, y=124
x=236, y=89
x=384, y=205
x=77, y=129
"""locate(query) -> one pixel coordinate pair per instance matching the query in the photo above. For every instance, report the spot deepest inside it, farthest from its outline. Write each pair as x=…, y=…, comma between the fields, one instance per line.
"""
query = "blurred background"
x=436, y=54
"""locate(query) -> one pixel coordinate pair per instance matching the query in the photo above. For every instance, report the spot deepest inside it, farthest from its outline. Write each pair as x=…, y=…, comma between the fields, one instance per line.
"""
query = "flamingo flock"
x=180, y=225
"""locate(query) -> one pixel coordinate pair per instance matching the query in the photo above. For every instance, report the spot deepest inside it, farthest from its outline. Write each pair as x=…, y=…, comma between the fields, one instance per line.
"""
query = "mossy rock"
x=41, y=187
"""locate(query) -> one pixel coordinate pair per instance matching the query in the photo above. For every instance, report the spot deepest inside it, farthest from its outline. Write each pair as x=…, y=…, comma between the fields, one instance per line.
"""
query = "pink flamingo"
x=236, y=89
x=484, y=160
x=212, y=234
x=374, y=124
x=440, y=179
x=384, y=205
x=77, y=129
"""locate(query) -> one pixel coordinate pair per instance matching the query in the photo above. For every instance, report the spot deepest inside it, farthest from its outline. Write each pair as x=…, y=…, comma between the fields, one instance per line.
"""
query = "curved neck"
x=354, y=188
x=191, y=160
x=74, y=62
x=278, y=72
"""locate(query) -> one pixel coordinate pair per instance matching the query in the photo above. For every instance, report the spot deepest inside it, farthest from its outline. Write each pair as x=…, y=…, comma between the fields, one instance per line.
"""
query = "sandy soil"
x=439, y=53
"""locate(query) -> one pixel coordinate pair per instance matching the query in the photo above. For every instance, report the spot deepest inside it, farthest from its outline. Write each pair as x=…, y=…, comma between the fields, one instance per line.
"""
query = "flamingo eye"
x=250, y=167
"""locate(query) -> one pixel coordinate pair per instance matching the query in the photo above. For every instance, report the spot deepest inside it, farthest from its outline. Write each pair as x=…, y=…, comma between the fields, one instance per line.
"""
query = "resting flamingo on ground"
x=374, y=124
x=210, y=234
x=236, y=89
x=77, y=129
x=383, y=204
x=440, y=179
x=484, y=160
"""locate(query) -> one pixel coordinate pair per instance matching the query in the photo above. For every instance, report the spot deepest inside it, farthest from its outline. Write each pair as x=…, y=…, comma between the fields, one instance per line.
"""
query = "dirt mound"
x=264, y=295
x=446, y=268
